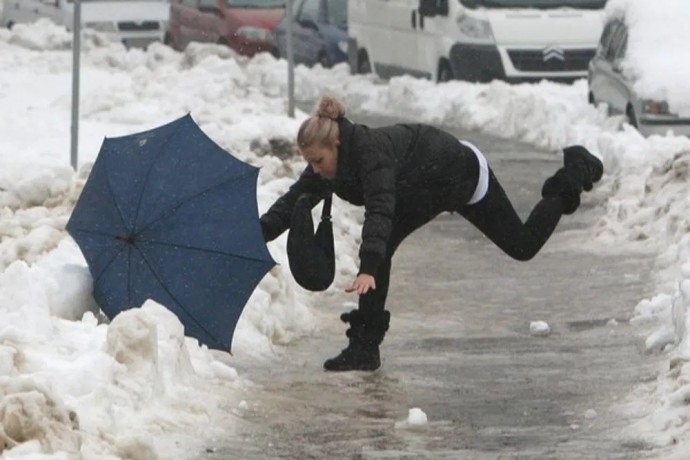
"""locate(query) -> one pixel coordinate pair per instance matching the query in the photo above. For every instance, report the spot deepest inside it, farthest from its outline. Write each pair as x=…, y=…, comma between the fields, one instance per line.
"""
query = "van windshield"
x=255, y=3
x=542, y=4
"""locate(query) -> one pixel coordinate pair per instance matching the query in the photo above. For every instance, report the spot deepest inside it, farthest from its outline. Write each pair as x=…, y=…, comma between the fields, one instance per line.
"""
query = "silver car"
x=611, y=84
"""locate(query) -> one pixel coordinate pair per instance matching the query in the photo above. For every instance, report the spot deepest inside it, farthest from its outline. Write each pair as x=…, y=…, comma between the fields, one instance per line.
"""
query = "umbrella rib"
x=112, y=194
x=161, y=151
x=210, y=251
x=129, y=273
x=160, y=281
x=92, y=232
x=190, y=198
x=110, y=262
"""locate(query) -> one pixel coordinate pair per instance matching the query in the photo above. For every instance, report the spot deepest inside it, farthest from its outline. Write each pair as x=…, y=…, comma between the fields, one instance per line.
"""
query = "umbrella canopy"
x=169, y=215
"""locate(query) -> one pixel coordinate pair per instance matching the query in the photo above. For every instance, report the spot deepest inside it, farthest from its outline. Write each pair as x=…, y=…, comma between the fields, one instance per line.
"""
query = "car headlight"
x=475, y=28
x=105, y=27
x=650, y=106
x=343, y=46
x=255, y=33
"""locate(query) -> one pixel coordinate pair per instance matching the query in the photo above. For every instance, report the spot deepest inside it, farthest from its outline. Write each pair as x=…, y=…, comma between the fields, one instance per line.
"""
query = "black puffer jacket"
x=393, y=171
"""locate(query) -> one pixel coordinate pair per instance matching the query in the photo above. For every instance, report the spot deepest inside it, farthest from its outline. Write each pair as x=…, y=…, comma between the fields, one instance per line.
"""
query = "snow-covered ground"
x=136, y=388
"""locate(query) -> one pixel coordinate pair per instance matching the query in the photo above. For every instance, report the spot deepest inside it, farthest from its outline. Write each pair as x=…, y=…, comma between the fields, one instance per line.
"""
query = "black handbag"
x=311, y=255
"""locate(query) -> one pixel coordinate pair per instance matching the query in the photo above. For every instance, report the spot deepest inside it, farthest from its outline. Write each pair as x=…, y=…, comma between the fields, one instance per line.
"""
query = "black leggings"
x=494, y=216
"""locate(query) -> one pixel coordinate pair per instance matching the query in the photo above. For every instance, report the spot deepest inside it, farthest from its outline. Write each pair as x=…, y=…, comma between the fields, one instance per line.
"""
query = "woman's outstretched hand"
x=362, y=284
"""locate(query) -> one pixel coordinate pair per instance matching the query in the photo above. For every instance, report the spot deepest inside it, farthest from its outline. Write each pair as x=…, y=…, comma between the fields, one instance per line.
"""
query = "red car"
x=247, y=26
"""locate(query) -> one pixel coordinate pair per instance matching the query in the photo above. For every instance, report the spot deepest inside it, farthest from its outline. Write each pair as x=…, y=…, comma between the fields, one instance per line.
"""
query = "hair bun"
x=330, y=107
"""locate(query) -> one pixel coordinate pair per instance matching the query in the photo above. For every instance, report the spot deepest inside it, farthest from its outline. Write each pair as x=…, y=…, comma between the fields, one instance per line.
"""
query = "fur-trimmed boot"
x=365, y=335
x=580, y=171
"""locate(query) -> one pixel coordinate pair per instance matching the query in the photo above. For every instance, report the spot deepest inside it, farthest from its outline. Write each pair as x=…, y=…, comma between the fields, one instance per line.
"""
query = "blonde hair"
x=322, y=127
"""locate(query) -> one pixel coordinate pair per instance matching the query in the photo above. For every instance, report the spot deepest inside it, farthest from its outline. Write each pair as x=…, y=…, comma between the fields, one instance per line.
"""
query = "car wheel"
x=590, y=98
x=167, y=40
x=10, y=24
x=223, y=41
x=363, y=64
x=632, y=117
x=445, y=73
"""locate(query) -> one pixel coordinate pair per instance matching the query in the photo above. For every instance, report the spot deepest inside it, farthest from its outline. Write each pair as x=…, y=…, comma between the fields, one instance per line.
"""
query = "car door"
x=621, y=85
x=600, y=71
x=182, y=21
x=401, y=51
x=432, y=35
x=209, y=21
x=385, y=33
x=618, y=94
x=308, y=42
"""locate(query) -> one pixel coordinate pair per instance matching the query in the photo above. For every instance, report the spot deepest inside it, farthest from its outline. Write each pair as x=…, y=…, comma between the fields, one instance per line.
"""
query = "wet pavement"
x=459, y=349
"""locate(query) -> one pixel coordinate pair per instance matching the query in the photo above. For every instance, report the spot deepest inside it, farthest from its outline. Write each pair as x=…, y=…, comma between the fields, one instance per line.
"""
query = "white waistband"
x=483, y=182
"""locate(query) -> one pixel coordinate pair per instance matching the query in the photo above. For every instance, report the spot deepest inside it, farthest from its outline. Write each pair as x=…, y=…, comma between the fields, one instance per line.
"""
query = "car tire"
x=590, y=99
x=363, y=64
x=445, y=73
x=632, y=117
x=10, y=24
x=223, y=41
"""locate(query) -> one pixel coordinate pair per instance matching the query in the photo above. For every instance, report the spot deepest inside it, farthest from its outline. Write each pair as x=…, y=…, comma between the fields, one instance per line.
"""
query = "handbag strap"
x=326, y=211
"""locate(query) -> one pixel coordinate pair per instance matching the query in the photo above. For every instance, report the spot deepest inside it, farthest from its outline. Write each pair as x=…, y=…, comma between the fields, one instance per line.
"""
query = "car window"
x=606, y=35
x=336, y=12
x=310, y=11
x=616, y=39
x=621, y=45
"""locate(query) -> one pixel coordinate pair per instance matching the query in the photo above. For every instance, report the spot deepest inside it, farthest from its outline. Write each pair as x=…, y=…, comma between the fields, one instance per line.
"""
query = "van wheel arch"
x=445, y=71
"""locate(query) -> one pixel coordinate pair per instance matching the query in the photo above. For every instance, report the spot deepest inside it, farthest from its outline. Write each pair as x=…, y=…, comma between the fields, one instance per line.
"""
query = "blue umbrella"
x=169, y=215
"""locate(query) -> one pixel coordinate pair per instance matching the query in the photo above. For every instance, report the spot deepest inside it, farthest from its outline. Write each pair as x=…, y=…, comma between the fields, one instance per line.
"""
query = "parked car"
x=134, y=22
x=247, y=26
x=319, y=32
x=611, y=83
x=475, y=40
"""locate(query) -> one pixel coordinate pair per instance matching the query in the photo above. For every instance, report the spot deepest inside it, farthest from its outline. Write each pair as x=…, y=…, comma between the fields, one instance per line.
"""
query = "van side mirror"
x=428, y=8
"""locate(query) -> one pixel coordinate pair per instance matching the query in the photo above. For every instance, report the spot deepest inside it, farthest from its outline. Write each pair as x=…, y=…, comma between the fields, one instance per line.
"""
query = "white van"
x=134, y=22
x=475, y=40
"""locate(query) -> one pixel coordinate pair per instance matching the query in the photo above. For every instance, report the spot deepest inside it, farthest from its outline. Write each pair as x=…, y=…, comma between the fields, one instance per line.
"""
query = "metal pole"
x=291, y=61
x=76, y=52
